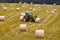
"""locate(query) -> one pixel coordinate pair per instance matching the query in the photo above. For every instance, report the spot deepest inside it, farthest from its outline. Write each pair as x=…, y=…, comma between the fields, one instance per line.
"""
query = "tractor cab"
x=29, y=17
x=28, y=14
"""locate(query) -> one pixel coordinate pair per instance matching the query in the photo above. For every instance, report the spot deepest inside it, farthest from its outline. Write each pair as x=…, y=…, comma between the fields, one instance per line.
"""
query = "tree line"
x=34, y=1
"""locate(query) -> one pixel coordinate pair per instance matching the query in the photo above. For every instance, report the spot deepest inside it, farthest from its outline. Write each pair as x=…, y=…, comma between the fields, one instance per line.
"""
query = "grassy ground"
x=9, y=29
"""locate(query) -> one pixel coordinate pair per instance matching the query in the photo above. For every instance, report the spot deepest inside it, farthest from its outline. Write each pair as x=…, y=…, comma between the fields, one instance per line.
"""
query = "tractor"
x=28, y=17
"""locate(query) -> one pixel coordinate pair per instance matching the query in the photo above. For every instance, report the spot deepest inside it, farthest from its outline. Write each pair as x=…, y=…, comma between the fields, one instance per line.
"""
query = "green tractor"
x=29, y=17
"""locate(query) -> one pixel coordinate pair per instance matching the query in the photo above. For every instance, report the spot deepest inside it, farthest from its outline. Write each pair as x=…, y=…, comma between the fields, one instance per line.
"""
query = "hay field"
x=9, y=29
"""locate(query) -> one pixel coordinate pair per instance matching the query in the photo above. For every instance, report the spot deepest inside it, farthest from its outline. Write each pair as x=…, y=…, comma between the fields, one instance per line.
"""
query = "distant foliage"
x=34, y=1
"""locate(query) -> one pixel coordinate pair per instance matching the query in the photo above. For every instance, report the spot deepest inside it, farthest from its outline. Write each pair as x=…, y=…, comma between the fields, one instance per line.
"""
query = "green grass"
x=9, y=29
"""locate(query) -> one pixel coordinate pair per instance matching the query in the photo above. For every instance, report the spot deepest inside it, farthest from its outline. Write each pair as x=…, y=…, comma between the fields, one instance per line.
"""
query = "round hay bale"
x=39, y=33
x=10, y=5
x=24, y=2
x=38, y=20
x=47, y=11
x=22, y=14
x=19, y=2
x=34, y=9
x=53, y=12
x=2, y=18
x=39, y=7
x=21, y=18
x=17, y=9
x=4, y=8
x=44, y=4
x=31, y=2
x=30, y=8
x=54, y=4
x=23, y=6
x=23, y=27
